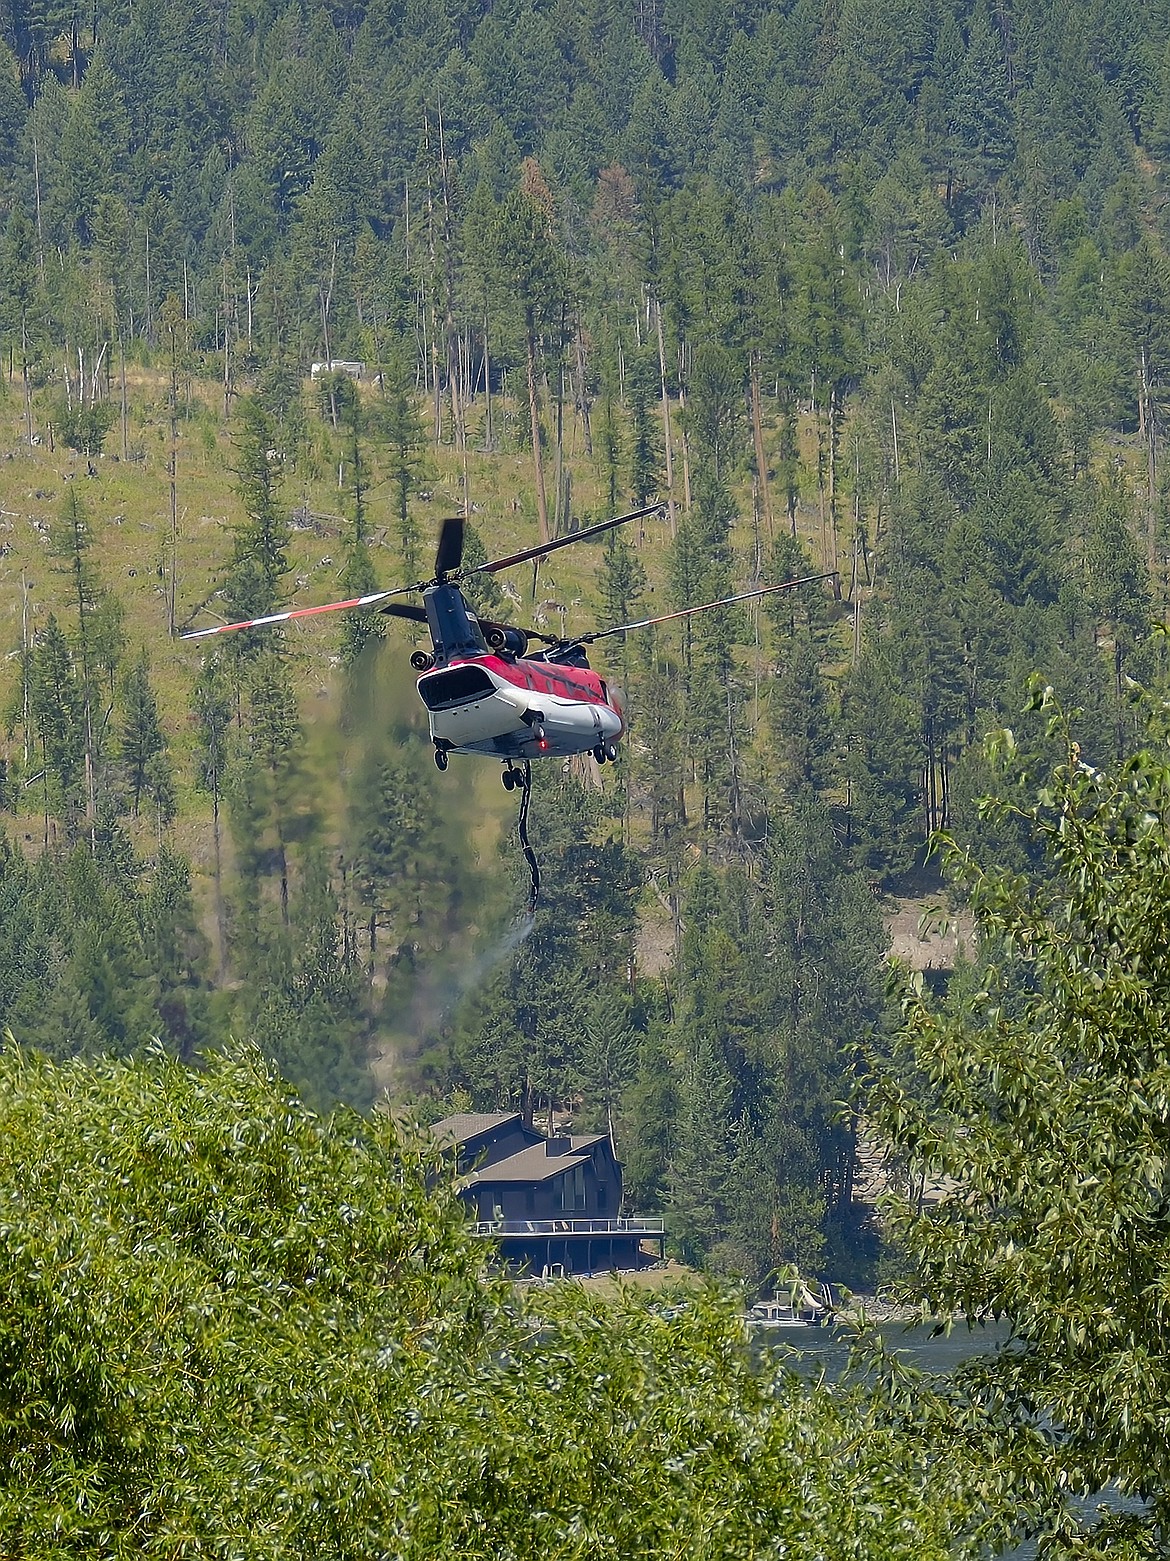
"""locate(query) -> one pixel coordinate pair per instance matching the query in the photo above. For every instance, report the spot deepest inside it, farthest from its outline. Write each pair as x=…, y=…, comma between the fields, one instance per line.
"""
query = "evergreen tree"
x=141, y=738
x=177, y=953
x=700, y=1163
x=399, y=423
x=883, y=771
x=259, y=560
x=57, y=708
x=269, y=806
x=70, y=540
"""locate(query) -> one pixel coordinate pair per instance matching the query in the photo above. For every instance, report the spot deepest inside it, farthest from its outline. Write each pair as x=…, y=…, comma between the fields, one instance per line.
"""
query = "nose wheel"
x=441, y=758
x=605, y=751
x=511, y=778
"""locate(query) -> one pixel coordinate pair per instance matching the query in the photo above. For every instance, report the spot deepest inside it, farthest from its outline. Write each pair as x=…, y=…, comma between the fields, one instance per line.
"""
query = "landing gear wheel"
x=539, y=732
x=611, y=752
x=509, y=779
x=600, y=754
x=441, y=758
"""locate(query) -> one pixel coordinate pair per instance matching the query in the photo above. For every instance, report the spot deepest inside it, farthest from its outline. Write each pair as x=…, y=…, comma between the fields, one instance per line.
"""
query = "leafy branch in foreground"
x=1041, y=1109
x=232, y=1328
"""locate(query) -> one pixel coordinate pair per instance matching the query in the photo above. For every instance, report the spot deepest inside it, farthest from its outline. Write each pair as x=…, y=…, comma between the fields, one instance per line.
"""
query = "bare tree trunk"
x=560, y=517
x=1148, y=432
x=488, y=432
x=894, y=429
x=758, y=436
x=95, y=372
x=583, y=394
x=822, y=463
x=834, y=441
x=325, y=296
x=25, y=689
x=28, y=418
x=146, y=301
x=534, y=419
x=125, y=410
x=686, y=443
x=462, y=378
x=667, y=442
x=83, y=641
x=172, y=476
x=227, y=365
x=40, y=227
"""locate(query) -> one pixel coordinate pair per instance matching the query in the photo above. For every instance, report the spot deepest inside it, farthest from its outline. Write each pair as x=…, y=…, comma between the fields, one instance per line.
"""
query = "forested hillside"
x=877, y=287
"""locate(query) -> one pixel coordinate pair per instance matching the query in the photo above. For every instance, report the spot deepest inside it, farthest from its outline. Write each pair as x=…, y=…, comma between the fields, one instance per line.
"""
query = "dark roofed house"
x=545, y=1201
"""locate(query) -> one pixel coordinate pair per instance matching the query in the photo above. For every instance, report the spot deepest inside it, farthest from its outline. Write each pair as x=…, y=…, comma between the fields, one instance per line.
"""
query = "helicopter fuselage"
x=487, y=701
x=519, y=707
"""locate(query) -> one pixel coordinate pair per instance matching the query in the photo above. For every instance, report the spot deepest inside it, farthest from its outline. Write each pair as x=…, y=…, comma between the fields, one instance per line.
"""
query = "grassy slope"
x=127, y=503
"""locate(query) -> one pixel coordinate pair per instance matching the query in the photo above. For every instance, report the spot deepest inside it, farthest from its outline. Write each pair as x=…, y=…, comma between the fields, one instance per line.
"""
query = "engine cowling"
x=503, y=637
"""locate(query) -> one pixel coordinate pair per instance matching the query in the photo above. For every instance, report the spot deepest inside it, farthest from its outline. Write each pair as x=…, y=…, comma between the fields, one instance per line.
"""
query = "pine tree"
x=57, y=708
x=141, y=737
x=70, y=540
x=700, y=1165
x=211, y=703
x=255, y=572
x=177, y=953
x=268, y=804
x=399, y=423
x=803, y=732
x=529, y=264
x=645, y=437
x=883, y=771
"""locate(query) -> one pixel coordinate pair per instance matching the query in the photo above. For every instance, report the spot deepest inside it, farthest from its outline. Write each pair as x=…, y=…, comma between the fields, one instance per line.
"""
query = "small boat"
x=781, y=1314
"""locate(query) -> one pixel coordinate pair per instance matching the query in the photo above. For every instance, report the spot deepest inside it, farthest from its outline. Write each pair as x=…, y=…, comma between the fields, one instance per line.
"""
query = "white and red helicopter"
x=484, y=692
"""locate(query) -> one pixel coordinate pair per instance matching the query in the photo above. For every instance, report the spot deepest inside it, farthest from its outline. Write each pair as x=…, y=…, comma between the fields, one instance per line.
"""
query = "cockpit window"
x=455, y=686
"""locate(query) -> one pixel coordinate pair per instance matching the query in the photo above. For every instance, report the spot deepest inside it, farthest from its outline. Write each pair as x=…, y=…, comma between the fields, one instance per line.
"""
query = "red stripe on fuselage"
x=541, y=677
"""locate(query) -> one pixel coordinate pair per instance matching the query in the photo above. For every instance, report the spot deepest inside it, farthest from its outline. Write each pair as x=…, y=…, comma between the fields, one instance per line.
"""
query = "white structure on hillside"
x=354, y=370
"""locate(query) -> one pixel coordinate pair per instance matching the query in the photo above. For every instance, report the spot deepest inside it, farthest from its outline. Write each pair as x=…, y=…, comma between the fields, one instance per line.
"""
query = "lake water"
x=824, y=1349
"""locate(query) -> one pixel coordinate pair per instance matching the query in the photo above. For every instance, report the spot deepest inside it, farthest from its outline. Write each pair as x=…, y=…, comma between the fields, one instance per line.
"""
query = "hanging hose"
x=529, y=853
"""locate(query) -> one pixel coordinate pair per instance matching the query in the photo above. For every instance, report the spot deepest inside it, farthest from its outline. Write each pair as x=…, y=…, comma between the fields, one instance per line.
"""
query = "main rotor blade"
x=551, y=547
x=296, y=612
x=689, y=612
x=449, y=555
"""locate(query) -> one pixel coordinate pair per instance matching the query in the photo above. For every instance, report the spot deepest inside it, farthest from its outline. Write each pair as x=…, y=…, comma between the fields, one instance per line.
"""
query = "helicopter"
x=486, y=692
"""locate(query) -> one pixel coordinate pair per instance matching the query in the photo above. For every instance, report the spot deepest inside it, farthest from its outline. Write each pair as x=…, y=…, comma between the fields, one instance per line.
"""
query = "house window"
x=573, y=1190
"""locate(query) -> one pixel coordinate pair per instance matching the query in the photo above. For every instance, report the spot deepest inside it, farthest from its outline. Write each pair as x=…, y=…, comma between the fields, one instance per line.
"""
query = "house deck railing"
x=631, y=1225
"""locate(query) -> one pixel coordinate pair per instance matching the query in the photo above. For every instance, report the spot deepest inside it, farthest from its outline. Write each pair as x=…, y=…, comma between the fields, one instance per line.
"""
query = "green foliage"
x=399, y=423
x=250, y=1328
x=141, y=741
x=84, y=428
x=78, y=975
x=56, y=704
x=1038, y=1105
x=259, y=558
